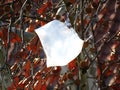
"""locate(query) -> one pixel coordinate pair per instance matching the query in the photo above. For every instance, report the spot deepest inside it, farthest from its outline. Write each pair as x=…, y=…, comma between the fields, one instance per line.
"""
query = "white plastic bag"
x=61, y=44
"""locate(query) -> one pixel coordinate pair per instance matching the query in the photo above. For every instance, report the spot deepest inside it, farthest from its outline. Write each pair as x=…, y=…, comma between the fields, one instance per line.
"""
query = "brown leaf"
x=89, y=9
x=70, y=76
x=77, y=82
x=84, y=64
x=92, y=50
x=85, y=44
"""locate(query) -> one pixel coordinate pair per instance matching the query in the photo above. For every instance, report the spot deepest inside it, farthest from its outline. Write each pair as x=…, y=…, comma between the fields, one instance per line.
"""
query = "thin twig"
x=65, y=2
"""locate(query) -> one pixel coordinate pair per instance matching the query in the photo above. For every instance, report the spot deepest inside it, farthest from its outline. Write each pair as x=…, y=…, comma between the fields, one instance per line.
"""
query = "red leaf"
x=22, y=54
x=42, y=9
x=14, y=84
x=37, y=75
x=26, y=87
x=34, y=45
x=72, y=1
x=12, y=87
x=0, y=34
x=43, y=87
x=86, y=21
x=72, y=65
x=21, y=85
x=24, y=82
x=43, y=23
x=36, y=62
x=8, y=1
x=9, y=88
x=116, y=44
x=53, y=78
x=26, y=68
x=115, y=87
x=113, y=57
x=108, y=73
x=16, y=80
x=56, y=70
x=98, y=72
x=103, y=11
x=15, y=38
x=37, y=85
x=27, y=80
x=40, y=23
x=3, y=35
x=31, y=28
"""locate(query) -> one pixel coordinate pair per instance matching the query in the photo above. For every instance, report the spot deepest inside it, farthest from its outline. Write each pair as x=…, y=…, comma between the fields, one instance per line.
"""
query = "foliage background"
x=23, y=61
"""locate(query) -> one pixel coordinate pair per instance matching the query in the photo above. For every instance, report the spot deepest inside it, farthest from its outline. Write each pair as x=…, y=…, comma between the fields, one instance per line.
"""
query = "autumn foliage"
x=22, y=57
